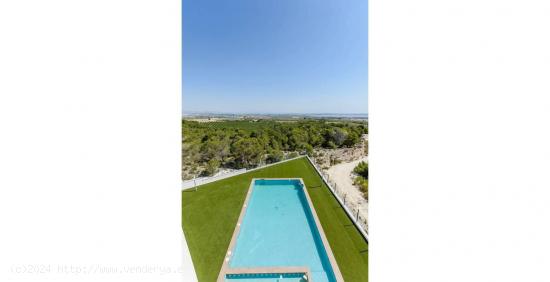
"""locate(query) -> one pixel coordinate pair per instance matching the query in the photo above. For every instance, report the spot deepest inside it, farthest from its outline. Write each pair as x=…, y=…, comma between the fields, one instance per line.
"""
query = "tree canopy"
x=248, y=143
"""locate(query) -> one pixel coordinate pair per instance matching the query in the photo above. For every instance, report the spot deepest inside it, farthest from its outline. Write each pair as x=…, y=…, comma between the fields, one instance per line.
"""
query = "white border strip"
x=191, y=183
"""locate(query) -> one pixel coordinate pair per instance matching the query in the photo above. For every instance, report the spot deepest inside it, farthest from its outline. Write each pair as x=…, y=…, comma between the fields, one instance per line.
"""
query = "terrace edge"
x=348, y=212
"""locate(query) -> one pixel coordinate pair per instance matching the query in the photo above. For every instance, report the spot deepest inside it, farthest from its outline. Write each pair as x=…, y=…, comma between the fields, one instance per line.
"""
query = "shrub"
x=274, y=157
x=309, y=149
x=362, y=169
x=211, y=167
x=352, y=139
x=331, y=145
x=363, y=185
x=335, y=161
x=292, y=155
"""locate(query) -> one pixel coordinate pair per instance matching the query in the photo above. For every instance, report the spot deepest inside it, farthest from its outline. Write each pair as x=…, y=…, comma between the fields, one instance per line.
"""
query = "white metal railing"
x=204, y=180
x=354, y=214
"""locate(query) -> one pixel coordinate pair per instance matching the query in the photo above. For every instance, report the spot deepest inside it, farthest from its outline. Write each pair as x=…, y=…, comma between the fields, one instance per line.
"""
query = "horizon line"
x=272, y=113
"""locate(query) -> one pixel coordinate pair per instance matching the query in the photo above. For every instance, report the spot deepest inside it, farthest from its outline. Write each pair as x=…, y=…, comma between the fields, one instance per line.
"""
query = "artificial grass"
x=209, y=216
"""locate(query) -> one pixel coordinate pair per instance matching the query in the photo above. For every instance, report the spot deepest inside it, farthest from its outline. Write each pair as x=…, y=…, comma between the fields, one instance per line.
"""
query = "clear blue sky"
x=275, y=56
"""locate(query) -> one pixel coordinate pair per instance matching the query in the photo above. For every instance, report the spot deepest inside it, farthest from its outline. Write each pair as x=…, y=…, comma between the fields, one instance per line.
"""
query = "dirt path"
x=341, y=174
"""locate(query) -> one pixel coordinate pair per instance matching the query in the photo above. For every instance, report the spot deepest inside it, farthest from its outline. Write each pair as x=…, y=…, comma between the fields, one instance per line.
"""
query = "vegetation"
x=362, y=169
x=274, y=157
x=363, y=184
x=211, y=167
x=249, y=143
x=210, y=214
x=362, y=180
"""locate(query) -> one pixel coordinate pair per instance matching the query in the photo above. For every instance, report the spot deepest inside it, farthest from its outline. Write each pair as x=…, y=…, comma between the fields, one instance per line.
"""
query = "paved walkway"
x=341, y=174
x=189, y=273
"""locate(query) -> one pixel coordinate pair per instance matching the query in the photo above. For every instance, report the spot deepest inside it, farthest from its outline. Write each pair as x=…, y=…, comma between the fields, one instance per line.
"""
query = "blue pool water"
x=278, y=229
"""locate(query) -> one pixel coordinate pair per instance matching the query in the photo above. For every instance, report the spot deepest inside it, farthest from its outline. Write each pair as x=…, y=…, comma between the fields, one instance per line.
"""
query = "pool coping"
x=264, y=270
x=225, y=269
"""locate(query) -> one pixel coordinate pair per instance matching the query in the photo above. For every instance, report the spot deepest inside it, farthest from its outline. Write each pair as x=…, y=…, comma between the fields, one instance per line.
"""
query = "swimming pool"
x=278, y=230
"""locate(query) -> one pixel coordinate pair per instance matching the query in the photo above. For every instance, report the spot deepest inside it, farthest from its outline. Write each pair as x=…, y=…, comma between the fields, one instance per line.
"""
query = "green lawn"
x=210, y=214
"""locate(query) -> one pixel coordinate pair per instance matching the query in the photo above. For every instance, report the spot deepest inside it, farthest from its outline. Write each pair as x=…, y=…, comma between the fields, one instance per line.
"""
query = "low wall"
x=204, y=180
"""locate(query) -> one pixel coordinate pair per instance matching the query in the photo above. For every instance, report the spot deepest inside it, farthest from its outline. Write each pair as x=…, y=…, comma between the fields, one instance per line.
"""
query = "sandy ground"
x=341, y=174
x=201, y=120
x=323, y=156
